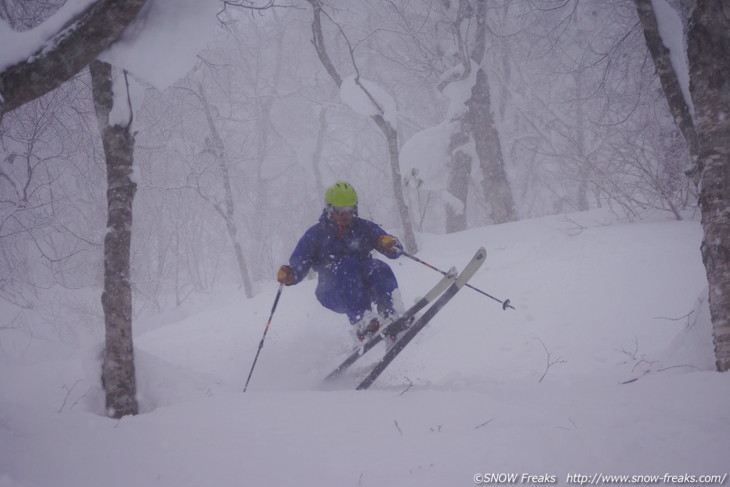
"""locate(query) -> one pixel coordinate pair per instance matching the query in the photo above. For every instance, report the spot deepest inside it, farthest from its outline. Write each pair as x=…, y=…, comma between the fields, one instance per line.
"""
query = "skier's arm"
x=384, y=243
x=303, y=257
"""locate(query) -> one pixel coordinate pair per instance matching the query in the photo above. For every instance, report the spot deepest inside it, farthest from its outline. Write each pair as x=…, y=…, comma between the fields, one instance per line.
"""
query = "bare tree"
x=483, y=130
x=667, y=75
x=118, y=371
x=708, y=136
x=389, y=131
x=476, y=125
x=215, y=146
x=42, y=153
x=449, y=42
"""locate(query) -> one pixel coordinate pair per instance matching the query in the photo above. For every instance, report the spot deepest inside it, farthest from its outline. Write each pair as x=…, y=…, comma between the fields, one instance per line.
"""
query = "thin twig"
x=674, y=319
x=559, y=360
x=410, y=384
x=483, y=424
x=68, y=393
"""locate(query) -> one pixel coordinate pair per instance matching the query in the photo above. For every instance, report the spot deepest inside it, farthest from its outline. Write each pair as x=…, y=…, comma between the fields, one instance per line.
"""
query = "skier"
x=350, y=280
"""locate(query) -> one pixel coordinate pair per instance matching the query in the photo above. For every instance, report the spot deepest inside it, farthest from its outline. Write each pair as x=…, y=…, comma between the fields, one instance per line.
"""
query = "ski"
x=398, y=325
x=471, y=268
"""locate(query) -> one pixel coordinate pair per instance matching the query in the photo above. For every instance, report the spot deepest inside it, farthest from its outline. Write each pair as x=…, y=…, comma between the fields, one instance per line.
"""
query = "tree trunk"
x=391, y=136
x=118, y=374
x=69, y=51
x=217, y=148
x=460, y=161
x=459, y=178
x=708, y=41
x=581, y=197
x=477, y=124
x=495, y=184
x=667, y=76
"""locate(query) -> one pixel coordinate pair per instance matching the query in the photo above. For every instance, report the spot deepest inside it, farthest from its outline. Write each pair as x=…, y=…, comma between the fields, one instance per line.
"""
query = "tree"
x=80, y=40
x=386, y=126
x=215, y=147
x=667, y=75
x=448, y=52
x=709, y=58
x=42, y=145
x=708, y=137
x=475, y=125
x=118, y=371
x=482, y=129
x=590, y=109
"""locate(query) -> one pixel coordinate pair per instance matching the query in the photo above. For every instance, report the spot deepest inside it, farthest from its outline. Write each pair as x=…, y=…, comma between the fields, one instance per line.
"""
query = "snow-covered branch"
x=56, y=58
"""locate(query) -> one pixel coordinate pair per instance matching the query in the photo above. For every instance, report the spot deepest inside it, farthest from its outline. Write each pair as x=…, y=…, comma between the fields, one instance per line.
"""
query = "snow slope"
x=605, y=367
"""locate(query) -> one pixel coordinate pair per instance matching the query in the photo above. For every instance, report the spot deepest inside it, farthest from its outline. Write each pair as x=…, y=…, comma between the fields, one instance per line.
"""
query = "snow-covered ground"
x=605, y=367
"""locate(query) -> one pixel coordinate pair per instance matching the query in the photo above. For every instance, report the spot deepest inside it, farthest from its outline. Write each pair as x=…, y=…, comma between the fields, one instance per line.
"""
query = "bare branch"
x=549, y=362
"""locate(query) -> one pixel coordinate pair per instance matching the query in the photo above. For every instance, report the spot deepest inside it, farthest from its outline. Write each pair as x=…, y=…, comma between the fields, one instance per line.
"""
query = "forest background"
x=233, y=152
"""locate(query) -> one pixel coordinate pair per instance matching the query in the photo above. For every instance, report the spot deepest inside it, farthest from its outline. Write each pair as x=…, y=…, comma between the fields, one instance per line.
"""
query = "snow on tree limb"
x=157, y=47
x=368, y=99
x=67, y=52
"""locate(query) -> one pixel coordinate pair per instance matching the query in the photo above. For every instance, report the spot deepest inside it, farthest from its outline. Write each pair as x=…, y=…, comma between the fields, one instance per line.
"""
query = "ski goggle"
x=343, y=210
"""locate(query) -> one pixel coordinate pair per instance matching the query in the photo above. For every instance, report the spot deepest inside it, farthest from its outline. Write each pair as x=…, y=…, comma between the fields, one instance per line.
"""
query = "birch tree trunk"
x=709, y=57
x=118, y=373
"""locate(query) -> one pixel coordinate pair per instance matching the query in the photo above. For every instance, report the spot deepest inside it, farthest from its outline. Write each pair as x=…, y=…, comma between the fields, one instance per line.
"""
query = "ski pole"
x=266, y=329
x=505, y=304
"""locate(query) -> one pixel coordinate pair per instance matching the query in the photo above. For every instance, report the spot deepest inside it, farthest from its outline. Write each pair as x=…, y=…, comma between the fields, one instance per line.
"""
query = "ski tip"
x=452, y=273
x=481, y=253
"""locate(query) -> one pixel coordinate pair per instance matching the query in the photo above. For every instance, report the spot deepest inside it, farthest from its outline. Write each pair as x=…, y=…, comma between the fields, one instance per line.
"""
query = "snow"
x=144, y=49
x=619, y=310
x=427, y=152
x=355, y=97
x=672, y=33
x=128, y=97
x=146, y=46
x=17, y=46
x=459, y=92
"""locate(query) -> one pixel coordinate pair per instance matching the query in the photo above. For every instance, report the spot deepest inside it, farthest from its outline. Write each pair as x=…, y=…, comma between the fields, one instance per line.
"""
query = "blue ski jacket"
x=326, y=244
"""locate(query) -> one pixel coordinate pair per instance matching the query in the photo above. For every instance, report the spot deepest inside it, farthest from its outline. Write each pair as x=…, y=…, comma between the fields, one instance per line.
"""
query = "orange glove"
x=388, y=244
x=286, y=275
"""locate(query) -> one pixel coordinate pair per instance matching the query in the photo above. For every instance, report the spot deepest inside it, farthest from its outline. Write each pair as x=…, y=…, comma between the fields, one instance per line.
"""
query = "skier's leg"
x=342, y=290
x=382, y=288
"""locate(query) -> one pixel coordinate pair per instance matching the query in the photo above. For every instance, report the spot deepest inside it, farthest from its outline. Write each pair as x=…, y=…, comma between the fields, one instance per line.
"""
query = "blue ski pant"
x=352, y=286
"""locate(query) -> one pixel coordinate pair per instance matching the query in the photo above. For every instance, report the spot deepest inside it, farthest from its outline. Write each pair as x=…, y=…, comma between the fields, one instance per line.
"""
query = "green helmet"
x=341, y=194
